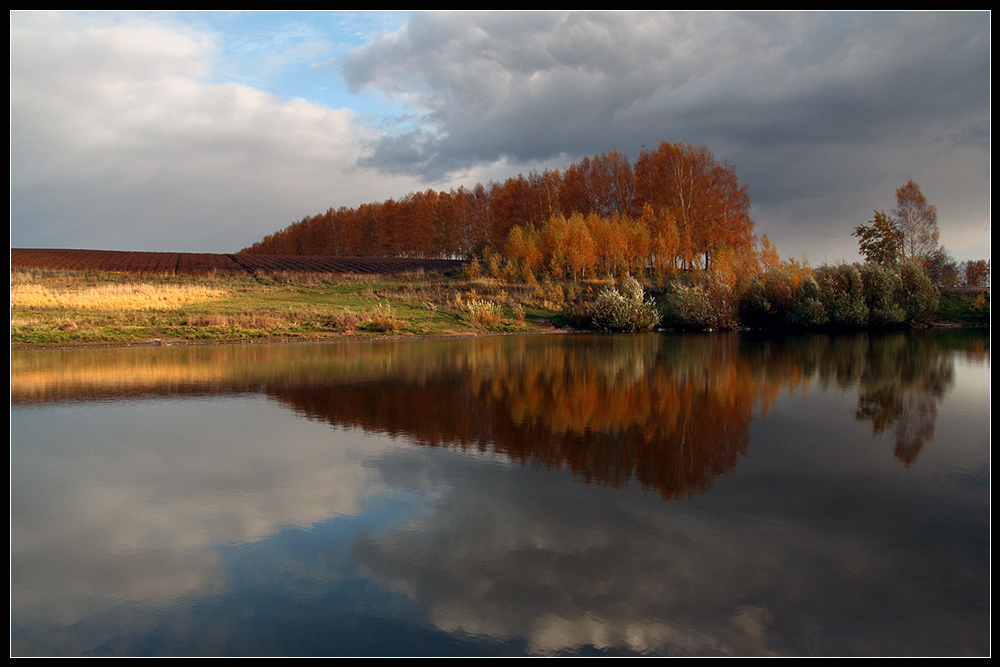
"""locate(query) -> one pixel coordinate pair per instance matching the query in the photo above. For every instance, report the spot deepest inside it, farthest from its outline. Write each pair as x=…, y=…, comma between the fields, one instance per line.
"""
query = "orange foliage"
x=674, y=204
x=705, y=197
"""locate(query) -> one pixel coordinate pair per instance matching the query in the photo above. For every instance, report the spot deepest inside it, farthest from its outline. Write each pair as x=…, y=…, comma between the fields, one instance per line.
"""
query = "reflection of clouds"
x=135, y=517
x=572, y=566
x=786, y=566
x=552, y=634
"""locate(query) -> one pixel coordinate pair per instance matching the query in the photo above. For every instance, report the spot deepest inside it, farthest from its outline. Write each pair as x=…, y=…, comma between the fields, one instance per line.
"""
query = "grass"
x=483, y=313
x=66, y=308
x=120, y=297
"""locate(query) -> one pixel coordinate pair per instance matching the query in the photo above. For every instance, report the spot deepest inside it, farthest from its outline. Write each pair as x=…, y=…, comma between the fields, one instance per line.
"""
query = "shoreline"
x=349, y=338
x=345, y=338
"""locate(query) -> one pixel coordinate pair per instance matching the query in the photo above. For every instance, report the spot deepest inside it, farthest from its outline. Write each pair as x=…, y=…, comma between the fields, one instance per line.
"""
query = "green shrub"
x=919, y=297
x=699, y=307
x=624, y=307
x=842, y=292
x=883, y=290
x=807, y=309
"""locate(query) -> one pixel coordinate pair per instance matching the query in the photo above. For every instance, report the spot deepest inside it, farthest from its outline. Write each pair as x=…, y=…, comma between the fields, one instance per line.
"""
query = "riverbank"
x=67, y=308
x=59, y=308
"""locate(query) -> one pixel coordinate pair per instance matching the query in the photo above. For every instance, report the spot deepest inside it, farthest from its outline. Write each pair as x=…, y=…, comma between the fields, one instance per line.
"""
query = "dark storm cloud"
x=807, y=105
x=531, y=86
x=526, y=87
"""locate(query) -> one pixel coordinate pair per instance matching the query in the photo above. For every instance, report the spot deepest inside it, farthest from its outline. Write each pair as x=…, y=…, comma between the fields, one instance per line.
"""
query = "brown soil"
x=203, y=263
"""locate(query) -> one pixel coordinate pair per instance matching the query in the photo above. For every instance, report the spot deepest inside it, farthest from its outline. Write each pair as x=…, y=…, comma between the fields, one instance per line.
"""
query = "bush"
x=383, y=319
x=785, y=295
x=345, y=320
x=807, y=309
x=919, y=297
x=842, y=292
x=877, y=295
x=883, y=290
x=624, y=308
x=699, y=307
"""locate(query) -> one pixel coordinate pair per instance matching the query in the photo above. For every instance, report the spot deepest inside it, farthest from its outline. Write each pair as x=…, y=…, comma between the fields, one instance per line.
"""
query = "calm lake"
x=660, y=494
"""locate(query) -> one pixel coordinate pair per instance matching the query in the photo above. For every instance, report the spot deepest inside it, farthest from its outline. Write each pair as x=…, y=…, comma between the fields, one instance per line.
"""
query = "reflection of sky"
x=764, y=562
x=232, y=525
x=128, y=482
x=971, y=394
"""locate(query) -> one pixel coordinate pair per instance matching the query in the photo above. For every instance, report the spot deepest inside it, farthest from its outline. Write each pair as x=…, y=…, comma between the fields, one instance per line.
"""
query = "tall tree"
x=917, y=222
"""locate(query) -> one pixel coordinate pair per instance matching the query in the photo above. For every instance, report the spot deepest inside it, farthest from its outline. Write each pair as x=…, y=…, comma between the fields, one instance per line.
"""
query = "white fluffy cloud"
x=118, y=140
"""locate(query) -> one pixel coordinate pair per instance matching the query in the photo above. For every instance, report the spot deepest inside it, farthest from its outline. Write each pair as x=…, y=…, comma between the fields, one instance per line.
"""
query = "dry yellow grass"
x=136, y=296
x=483, y=313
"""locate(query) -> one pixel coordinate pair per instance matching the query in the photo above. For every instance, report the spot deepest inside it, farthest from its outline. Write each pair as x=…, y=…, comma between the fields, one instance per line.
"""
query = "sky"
x=206, y=131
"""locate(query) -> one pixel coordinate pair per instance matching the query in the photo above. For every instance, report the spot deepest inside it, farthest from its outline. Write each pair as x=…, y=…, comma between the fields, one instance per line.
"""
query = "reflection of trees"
x=903, y=376
x=671, y=411
x=900, y=377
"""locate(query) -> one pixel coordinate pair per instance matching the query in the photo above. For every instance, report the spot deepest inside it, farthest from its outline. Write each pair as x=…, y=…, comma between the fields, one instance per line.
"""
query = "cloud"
x=530, y=86
x=810, y=106
x=119, y=141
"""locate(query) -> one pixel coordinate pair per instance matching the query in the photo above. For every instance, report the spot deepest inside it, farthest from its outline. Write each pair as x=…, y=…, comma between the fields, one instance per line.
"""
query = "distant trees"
x=941, y=268
x=976, y=273
x=605, y=216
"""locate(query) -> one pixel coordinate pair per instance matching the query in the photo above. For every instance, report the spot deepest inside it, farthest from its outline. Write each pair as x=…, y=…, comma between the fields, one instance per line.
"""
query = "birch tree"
x=917, y=223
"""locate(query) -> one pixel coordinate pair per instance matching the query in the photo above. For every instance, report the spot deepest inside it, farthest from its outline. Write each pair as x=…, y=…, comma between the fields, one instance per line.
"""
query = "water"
x=522, y=495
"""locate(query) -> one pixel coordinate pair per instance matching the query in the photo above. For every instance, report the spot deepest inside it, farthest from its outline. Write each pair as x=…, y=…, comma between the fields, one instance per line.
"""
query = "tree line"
x=676, y=220
x=677, y=201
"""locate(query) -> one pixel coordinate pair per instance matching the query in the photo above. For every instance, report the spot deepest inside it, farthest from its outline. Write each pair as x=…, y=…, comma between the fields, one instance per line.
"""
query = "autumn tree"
x=523, y=251
x=917, y=223
x=611, y=245
x=769, y=257
x=881, y=240
x=704, y=197
x=664, y=240
x=674, y=205
x=737, y=268
x=602, y=185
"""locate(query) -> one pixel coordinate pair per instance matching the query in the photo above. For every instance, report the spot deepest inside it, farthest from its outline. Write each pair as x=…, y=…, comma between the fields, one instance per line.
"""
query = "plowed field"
x=200, y=263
